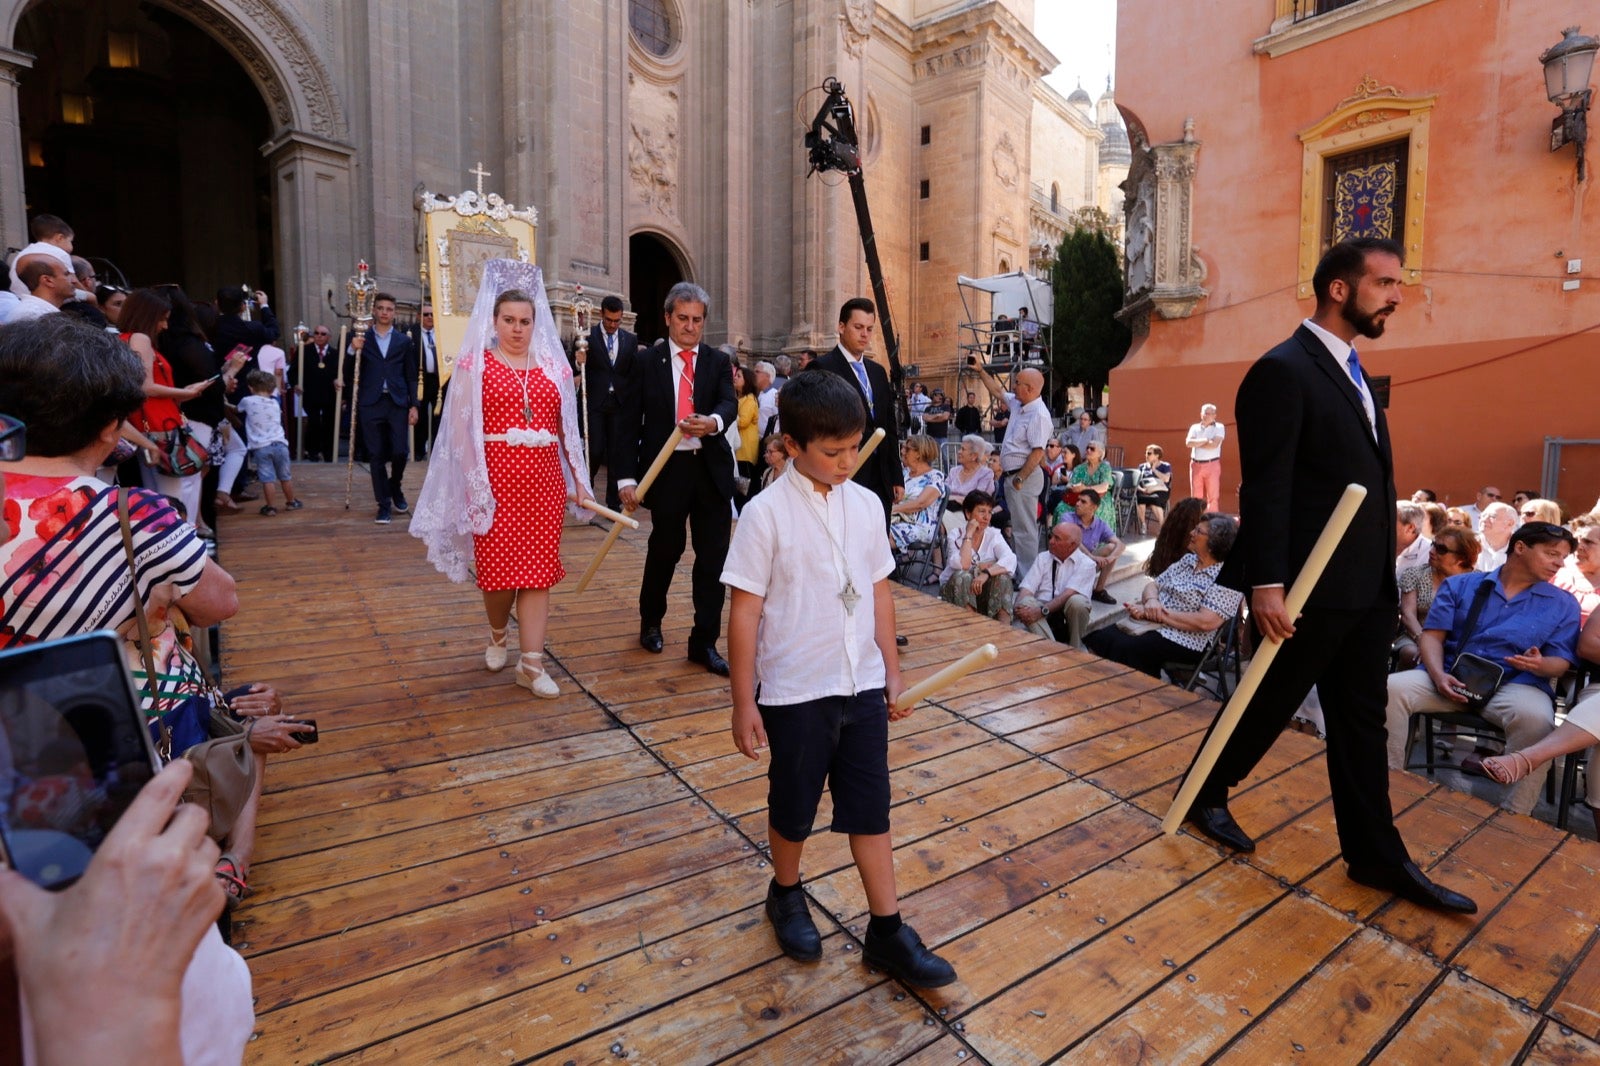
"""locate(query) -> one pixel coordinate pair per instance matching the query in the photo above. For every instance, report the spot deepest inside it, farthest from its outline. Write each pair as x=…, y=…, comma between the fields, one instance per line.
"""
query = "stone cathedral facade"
x=276, y=141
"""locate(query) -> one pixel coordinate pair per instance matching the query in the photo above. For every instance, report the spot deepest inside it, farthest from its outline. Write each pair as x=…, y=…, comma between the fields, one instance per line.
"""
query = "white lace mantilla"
x=456, y=503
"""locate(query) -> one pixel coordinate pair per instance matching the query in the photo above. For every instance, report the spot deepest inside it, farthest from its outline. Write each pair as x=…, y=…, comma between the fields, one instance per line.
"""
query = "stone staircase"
x=1127, y=582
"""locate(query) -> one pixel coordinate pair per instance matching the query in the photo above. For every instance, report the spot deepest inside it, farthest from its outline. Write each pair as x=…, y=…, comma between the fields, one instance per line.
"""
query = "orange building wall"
x=1487, y=355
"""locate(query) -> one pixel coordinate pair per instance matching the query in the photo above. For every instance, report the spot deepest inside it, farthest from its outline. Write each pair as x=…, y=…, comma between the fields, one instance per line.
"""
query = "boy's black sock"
x=784, y=890
x=880, y=925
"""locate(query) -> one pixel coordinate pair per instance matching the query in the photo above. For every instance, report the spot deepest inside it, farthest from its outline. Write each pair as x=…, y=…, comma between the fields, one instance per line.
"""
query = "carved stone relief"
x=653, y=148
x=855, y=25
x=1164, y=273
x=1006, y=165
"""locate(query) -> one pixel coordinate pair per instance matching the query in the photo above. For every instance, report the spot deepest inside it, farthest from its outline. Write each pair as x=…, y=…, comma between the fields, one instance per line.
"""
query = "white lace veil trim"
x=455, y=502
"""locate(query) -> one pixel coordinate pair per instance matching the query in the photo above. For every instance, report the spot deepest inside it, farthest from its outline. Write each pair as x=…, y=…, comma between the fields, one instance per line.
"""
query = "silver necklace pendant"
x=850, y=597
x=527, y=413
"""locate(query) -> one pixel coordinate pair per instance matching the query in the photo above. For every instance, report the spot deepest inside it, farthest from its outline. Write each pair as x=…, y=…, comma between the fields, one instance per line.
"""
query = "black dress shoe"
x=901, y=641
x=650, y=639
x=1218, y=824
x=791, y=923
x=903, y=956
x=710, y=659
x=1102, y=596
x=1409, y=882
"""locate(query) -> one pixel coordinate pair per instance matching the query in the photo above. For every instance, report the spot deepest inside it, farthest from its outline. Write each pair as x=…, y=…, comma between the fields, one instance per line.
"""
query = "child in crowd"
x=269, y=448
x=826, y=701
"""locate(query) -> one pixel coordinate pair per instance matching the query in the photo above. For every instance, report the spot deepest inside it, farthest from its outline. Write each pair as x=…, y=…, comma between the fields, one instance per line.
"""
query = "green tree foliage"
x=1087, y=340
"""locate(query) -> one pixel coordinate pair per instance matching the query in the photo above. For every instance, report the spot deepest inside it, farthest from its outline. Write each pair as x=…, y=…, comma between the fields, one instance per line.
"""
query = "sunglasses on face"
x=1440, y=549
x=1492, y=495
x=1530, y=514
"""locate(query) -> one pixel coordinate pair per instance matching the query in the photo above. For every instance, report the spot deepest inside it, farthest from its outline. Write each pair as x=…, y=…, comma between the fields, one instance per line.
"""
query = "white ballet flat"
x=531, y=676
x=494, y=656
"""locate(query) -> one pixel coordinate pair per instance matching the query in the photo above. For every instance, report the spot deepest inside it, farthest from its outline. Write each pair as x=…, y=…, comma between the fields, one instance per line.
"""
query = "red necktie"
x=686, y=385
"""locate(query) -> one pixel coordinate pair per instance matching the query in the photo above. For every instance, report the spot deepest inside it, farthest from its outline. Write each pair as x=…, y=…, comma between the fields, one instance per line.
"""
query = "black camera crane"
x=831, y=144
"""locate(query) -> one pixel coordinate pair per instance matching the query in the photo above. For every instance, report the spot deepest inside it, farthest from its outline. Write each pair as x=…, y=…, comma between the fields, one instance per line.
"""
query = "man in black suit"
x=607, y=365
x=318, y=397
x=386, y=405
x=1307, y=427
x=681, y=382
x=422, y=338
x=881, y=473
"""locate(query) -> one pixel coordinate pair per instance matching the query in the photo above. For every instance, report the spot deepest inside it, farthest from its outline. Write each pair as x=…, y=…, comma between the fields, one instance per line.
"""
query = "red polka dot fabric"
x=522, y=550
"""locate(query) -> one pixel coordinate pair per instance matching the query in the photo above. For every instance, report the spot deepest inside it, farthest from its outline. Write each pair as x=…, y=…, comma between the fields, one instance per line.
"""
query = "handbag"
x=182, y=453
x=200, y=728
x=1481, y=677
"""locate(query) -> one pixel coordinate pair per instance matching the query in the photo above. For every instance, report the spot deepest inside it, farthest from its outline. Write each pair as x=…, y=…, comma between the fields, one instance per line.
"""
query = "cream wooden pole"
x=673, y=440
x=954, y=672
x=1299, y=592
x=607, y=513
x=867, y=449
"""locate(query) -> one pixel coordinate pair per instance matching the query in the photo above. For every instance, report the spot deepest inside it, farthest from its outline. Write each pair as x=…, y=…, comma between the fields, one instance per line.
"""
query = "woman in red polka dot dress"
x=524, y=397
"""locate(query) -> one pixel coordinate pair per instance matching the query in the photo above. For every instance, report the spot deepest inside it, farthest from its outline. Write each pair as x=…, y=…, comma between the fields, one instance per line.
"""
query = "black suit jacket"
x=1303, y=436
x=651, y=404
x=319, y=392
x=882, y=472
x=607, y=384
x=398, y=370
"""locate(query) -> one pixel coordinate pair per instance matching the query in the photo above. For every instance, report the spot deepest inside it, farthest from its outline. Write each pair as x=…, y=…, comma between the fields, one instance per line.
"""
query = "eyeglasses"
x=1530, y=513
x=1492, y=495
x=1440, y=549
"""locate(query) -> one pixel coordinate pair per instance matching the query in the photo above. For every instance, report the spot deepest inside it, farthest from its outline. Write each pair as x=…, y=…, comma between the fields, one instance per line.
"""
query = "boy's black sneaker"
x=791, y=922
x=399, y=501
x=383, y=516
x=903, y=956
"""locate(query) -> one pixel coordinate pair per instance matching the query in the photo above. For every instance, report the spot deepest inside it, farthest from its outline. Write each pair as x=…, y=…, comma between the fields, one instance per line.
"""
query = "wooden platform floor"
x=459, y=873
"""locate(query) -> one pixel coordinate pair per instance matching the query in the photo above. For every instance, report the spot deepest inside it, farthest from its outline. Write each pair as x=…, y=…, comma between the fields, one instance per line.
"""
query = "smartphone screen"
x=74, y=752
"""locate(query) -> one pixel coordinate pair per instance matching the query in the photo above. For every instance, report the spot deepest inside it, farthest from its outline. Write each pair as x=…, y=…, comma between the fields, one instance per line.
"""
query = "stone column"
x=13, y=201
x=313, y=228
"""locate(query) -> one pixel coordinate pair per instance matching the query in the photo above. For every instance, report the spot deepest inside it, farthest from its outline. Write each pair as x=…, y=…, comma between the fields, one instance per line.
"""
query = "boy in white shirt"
x=269, y=448
x=825, y=701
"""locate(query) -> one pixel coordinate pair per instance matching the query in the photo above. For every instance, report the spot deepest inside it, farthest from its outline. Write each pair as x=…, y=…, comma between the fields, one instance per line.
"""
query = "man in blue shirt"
x=1099, y=543
x=1525, y=625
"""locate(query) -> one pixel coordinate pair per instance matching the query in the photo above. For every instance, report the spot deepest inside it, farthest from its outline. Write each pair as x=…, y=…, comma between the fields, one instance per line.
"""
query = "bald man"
x=1021, y=454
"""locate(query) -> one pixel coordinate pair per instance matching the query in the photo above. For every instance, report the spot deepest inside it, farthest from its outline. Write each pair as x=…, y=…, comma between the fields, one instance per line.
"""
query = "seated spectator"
x=915, y=519
x=978, y=563
x=1055, y=460
x=1097, y=474
x=1495, y=527
x=970, y=474
x=1458, y=516
x=1522, y=496
x=1098, y=539
x=1409, y=537
x=1185, y=601
x=1053, y=598
x=1580, y=575
x=777, y=457
x=1424, y=496
x=1172, y=543
x=1474, y=510
x=1434, y=519
x=1082, y=431
x=1581, y=730
x=1060, y=484
x=1454, y=551
x=1523, y=623
x=1534, y=509
x=1153, y=481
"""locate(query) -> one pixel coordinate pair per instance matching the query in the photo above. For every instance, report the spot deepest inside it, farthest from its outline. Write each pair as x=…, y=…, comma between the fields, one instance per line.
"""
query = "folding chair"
x=1217, y=672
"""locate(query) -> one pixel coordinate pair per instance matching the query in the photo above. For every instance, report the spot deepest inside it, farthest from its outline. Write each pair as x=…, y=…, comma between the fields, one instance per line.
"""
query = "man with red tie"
x=681, y=382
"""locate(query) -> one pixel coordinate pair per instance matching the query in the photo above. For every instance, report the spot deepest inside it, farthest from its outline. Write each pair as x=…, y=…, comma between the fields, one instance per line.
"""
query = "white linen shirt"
x=1044, y=581
x=808, y=647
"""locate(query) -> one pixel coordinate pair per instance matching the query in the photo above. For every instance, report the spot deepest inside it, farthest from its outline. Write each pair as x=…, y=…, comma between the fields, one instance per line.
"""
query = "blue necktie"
x=1354, y=363
x=861, y=376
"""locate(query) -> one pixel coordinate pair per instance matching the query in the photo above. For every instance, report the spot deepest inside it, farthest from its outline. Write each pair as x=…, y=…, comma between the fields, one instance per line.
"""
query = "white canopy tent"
x=1010, y=292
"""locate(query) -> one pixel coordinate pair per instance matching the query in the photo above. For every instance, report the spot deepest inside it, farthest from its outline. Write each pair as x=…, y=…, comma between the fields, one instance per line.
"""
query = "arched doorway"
x=653, y=268
x=145, y=134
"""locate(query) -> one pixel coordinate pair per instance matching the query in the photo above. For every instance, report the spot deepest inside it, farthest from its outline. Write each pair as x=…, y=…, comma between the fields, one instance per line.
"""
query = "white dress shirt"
x=1339, y=350
x=1049, y=577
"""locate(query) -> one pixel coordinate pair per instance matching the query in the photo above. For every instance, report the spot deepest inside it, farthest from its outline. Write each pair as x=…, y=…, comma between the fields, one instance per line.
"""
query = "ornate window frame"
x=1373, y=114
x=1293, y=28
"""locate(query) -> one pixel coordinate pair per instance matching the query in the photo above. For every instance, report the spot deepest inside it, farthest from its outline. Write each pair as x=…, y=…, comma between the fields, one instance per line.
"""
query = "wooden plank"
x=1558, y=1046
x=1462, y=1021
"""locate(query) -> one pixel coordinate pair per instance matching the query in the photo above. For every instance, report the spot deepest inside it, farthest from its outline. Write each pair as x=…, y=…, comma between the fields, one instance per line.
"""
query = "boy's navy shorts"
x=843, y=740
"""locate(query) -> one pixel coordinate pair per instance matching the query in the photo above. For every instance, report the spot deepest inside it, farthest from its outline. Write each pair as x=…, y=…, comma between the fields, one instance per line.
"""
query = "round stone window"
x=654, y=25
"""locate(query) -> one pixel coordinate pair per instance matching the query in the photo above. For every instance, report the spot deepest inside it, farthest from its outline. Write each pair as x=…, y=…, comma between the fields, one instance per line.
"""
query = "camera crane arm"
x=831, y=144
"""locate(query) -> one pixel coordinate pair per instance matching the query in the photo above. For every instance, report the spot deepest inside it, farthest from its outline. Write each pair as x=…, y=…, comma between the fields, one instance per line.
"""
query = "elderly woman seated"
x=915, y=519
x=970, y=474
x=979, y=563
x=1185, y=602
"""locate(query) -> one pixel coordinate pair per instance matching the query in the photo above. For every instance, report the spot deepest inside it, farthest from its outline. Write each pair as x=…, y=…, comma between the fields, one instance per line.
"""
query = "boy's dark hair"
x=260, y=381
x=974, y=500
x=43, y=227
x=1347, y=262
x=1090, y=495
x=612, y=304
x=817, y=404
x=860, y=303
